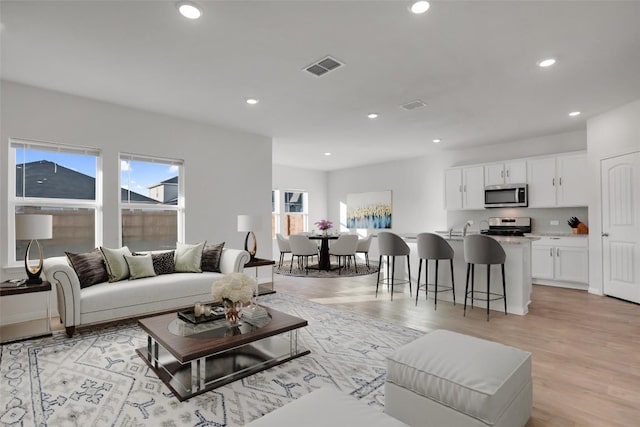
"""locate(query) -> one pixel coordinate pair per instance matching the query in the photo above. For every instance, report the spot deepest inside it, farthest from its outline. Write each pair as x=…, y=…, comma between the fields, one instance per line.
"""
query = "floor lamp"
x=32, y=228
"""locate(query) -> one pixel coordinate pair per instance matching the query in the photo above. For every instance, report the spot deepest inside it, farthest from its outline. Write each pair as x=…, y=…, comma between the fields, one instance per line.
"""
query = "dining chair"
x=284, y=246
x=363, y=247
x=303, y=248
x=344, y=249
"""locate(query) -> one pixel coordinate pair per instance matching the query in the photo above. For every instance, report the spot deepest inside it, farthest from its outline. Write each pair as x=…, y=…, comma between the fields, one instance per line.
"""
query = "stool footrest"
x=481, y=293
x=430, y=286
x=387, y=281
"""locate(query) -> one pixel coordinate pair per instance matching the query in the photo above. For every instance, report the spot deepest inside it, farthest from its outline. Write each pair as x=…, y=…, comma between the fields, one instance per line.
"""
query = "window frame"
x=179, y=207
x=13, y=201
x=275, y=214
x=305, y=208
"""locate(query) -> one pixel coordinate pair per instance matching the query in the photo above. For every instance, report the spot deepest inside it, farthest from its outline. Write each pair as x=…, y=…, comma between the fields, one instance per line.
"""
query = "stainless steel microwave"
x=505, y=196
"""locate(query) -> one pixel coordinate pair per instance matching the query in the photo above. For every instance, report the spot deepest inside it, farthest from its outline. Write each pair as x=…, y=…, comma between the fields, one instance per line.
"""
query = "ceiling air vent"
x=413, y=105
x=323, y=66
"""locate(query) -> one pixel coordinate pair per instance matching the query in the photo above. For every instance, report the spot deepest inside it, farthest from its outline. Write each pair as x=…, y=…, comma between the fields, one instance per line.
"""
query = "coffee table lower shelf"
x=206, y=373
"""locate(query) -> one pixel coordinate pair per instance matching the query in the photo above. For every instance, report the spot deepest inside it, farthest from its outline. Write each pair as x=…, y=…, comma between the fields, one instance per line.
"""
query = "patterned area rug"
x=363, y=270
x=96, y=378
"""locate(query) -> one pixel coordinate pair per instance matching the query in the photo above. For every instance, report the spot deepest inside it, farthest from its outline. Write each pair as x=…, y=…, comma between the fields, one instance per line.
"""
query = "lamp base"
x=253, y=250
x=33, y=281
x=33, y=273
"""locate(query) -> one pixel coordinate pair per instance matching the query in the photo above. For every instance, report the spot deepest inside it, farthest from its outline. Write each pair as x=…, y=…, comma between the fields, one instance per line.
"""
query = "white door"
x=621, y=226
x=453, y=189
x=542, y=182
x=494, y=174
x=473, y=187
x=515, y=172
x=572, y=174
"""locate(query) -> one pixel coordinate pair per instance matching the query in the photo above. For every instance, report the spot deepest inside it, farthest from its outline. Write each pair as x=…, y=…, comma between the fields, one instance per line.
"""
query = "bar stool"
x=434, y=247
x=392, y=245
x=479, y=249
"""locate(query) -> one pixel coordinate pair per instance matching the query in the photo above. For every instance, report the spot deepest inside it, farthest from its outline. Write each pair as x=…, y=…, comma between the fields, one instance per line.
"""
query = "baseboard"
x=567, y=285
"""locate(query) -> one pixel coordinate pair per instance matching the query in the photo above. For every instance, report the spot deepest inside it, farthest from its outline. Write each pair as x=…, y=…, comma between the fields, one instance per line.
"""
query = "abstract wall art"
x=369, y=210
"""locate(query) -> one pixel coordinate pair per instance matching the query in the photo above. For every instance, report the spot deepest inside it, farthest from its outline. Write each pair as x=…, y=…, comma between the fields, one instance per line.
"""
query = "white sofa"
x=129, y=298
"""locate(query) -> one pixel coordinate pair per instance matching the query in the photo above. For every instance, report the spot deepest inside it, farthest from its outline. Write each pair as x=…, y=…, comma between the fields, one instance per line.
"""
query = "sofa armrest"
x=233, y=260
x=60, y=274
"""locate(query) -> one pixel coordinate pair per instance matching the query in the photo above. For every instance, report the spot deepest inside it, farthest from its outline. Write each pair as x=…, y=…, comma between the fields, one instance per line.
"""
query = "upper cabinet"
x=558, y=181
x=505, y=173
x=464, y=188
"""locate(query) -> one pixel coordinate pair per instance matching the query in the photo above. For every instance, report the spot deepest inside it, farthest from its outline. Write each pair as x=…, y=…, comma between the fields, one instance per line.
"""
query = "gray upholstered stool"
x=448, y=379
x=479, y=249
x=391, y=245
x=433, y=247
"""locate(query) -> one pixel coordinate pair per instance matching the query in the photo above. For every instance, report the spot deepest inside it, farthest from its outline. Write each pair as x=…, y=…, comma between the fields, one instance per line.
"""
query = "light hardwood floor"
x=586, y=348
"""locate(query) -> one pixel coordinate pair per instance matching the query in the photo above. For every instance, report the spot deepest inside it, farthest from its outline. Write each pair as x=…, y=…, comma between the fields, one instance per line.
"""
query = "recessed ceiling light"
x=327, y=154
x=437, y=141
x=546, y=62
x=574, y=113
x=252, y=101
x=372, y=115
x=189, y=10
x=419, y=7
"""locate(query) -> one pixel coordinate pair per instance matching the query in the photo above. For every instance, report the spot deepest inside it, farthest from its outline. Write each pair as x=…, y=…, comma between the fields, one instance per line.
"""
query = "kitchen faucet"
x=466, y=226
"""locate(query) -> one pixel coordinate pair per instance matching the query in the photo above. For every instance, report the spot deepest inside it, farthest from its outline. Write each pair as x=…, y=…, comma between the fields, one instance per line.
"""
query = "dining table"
x=324, y=261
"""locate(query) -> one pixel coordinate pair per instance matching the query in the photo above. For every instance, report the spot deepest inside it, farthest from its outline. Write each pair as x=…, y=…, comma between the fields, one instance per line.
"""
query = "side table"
x=263, y=288
x=28, y=329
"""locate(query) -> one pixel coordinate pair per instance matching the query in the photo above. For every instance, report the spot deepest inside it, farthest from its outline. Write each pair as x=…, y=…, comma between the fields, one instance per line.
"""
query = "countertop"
x=457, y=237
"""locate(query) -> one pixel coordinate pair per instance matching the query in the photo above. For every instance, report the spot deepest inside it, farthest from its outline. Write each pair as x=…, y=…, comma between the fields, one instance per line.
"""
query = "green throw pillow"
x=188, y=258
x=139, y=266
x=117, y=268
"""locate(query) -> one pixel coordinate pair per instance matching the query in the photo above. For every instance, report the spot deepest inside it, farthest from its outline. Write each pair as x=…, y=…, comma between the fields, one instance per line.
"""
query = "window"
x=151, y=202
x=58, y=180
x=296, y=212
x=275, y=213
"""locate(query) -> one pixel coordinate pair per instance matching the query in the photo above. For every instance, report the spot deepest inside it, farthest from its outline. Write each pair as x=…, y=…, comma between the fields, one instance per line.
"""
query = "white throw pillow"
x=140, y=266
x=188, y=258
x=117, y=268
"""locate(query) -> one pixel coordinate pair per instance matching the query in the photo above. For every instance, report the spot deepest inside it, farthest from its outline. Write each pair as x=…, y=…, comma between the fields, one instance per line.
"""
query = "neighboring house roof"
x=44, y=178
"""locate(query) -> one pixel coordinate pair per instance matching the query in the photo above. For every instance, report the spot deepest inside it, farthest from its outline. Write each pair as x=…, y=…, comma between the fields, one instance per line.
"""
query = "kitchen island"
x=517, y=273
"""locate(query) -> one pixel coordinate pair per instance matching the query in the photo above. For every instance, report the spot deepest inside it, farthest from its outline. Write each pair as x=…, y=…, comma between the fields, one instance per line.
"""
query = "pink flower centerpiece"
x=324, y=225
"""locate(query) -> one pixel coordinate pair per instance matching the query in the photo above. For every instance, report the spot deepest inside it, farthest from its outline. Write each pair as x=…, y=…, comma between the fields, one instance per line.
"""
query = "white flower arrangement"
x=234, y=287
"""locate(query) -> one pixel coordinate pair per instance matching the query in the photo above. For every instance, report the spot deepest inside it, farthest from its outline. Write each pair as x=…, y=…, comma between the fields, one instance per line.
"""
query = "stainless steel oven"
x=505, y=196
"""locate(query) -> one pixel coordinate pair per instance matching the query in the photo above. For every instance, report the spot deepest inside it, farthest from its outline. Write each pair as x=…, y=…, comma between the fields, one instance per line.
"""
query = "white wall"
x=418, y=184
x=314, y=182
x=227, y=172
x=613, y=133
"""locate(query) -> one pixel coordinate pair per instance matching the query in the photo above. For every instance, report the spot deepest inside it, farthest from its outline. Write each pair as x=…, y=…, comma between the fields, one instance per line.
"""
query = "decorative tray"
x=217, y=312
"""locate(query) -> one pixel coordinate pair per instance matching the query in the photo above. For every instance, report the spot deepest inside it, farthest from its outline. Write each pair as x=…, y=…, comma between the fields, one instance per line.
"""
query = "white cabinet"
x=558, y=181
x=505, y=173
x=464, y=188
x=561, y=259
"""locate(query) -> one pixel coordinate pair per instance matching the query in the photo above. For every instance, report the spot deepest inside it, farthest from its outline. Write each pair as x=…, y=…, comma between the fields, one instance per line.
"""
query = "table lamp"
x=32, y=228
x=249, y=224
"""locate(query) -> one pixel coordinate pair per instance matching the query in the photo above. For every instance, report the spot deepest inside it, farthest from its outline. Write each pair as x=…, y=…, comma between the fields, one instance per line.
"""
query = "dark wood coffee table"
x=192, y=359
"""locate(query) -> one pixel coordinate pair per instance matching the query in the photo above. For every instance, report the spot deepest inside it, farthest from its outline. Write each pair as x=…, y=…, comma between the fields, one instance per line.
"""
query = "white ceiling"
x=472, y=62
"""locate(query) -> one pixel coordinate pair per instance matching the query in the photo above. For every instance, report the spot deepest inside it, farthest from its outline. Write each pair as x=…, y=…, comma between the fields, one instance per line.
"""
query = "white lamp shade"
x=34, y=227
x=248, y=223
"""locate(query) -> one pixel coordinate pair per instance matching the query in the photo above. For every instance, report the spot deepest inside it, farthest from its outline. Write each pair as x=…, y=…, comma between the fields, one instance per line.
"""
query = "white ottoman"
x=326, y=407
x=450, y=379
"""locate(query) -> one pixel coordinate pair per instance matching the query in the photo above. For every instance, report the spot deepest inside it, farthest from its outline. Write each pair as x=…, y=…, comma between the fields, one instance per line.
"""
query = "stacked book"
x=254, y=312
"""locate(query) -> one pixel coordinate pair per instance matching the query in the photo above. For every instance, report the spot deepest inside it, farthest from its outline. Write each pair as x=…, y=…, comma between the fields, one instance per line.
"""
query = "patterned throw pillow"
x=163, y=262
x=117, y=268
x=211, y=257
x=89, y=267
x=139, y=266
x=188, y=257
